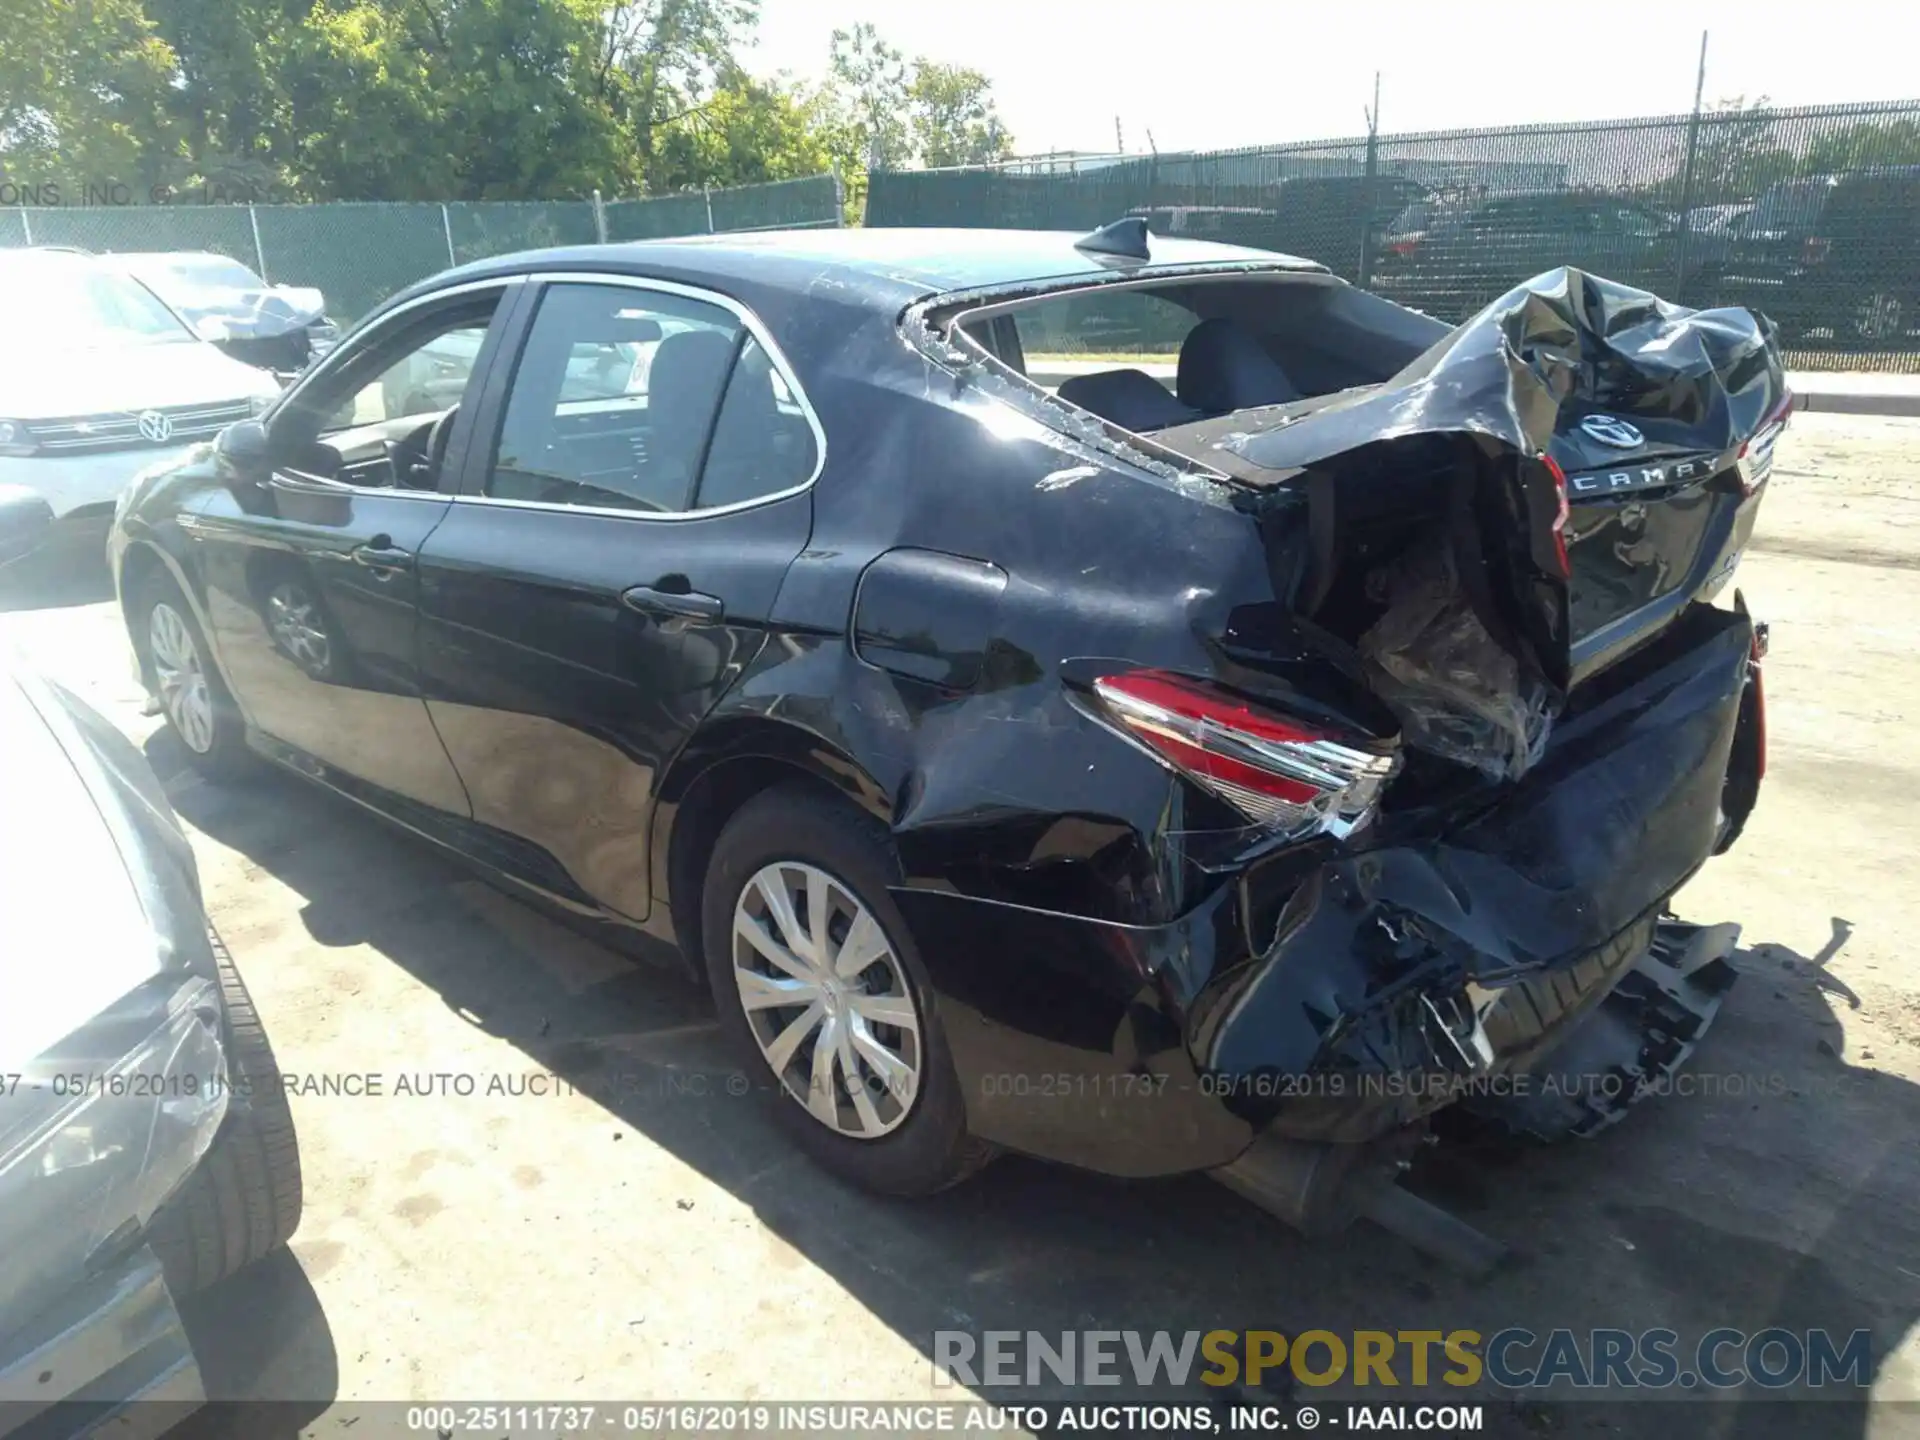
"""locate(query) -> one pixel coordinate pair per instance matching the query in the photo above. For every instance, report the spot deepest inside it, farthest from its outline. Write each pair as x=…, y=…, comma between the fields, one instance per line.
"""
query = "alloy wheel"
x=827, y=999
x=297, y=627
x=184, y=693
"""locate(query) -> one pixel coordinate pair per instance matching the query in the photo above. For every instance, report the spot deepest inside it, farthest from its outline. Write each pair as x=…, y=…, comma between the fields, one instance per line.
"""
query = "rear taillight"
x=1560, y=518
x=1404, y=244
x=1814, y=251
x=1754, y=463
x=1280, y=773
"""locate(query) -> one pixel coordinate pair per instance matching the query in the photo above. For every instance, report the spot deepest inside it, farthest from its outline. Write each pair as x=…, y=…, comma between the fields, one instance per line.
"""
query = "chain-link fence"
x=1812, y=215
x=358, y=254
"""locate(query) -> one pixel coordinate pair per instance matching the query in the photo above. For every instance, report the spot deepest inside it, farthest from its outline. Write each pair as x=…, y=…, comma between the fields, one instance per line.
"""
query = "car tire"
x=915, y=1139
x=171, y=641
x=243, y=1201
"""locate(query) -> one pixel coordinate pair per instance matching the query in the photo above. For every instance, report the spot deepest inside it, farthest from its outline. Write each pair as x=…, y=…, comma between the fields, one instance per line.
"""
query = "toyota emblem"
x=1609, y=431
x=155, y=426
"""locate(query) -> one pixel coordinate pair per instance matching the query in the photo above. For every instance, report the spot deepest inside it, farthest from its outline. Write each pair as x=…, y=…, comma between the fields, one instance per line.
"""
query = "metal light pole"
x=1686, y=181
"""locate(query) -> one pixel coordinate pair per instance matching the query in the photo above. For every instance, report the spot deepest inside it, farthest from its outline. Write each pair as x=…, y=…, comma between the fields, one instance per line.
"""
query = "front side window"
x=631, y=399
x=428, y=379
x=381, y=412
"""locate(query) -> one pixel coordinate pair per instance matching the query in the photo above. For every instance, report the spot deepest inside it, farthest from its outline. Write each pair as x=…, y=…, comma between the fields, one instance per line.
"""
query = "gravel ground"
x=641, y=1231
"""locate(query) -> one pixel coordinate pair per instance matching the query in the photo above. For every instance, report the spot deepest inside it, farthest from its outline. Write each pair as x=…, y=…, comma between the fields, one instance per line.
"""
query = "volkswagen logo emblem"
x=155, y=426
x=1609, y=431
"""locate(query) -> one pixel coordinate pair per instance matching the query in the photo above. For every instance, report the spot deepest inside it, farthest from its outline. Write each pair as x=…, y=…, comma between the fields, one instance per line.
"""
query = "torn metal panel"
x=1531, y=366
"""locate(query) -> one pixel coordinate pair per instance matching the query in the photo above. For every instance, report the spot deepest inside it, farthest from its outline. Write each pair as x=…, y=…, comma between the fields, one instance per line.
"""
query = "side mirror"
x=25, y=518
x=240, y=452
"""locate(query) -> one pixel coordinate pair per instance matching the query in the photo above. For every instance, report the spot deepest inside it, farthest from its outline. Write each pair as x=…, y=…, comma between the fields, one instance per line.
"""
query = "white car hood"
x=57, y=382
x=74, y=936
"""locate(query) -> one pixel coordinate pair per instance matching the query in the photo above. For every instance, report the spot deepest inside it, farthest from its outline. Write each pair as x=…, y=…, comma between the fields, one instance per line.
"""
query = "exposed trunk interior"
x=1480, y=518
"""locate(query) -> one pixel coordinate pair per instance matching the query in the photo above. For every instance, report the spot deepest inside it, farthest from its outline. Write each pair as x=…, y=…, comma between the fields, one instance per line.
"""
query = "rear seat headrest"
x=1224, y=368
x=1131, y=399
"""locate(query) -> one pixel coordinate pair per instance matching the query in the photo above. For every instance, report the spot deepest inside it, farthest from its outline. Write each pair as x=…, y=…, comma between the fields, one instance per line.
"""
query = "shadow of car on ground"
x=266, y=1354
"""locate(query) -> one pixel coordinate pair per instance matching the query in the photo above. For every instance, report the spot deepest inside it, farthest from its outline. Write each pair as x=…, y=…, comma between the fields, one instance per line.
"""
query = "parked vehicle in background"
x=279, y=328
x=99, y=379
x=1451, y=258
x=1325, y=216
x=1349, y=710
x=1838, y=254
x=1719, y=219
x=146, y=1145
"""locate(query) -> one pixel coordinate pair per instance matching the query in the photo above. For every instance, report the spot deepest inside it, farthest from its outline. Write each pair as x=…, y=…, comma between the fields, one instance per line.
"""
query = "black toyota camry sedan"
x=1124, y=699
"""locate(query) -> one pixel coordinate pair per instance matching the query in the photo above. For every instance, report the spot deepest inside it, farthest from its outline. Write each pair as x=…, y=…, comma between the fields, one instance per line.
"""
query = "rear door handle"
x=649, y=600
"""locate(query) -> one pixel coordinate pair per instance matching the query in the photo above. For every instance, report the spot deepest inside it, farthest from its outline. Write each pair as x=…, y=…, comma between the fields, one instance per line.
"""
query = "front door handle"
x=651, y=600
x=380, y=553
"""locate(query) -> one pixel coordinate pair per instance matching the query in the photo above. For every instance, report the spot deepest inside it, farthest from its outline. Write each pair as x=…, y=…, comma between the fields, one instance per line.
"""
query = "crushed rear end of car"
x=1488, y=724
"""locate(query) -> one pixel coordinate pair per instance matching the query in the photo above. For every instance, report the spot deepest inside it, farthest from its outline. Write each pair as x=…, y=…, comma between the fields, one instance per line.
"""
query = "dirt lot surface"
x=641, y=1230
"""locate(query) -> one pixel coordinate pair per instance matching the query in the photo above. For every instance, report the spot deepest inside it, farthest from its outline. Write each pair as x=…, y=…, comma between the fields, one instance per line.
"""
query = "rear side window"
x=762, y=443
x=613, y=398
x=631, y=399
x=1121, y=326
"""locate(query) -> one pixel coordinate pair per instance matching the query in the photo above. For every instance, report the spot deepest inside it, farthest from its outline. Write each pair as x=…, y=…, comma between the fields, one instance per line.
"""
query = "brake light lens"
x=1560, y=518
x=1280, y=773
x=1754, y=462
x=1404, y=244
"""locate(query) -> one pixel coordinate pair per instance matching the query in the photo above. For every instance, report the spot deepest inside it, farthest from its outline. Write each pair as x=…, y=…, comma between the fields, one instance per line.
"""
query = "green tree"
x=84, y=91
x=748, y=131
x=1737, y=155
x=867, y=90
x=661, y=63
x=447, y=99
x=952, y=116
x=226, y=94
x=1867, y=143
x=878, y=112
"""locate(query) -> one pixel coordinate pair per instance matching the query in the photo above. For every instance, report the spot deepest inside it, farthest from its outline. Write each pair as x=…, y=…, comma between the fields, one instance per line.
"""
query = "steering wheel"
x=423, y=473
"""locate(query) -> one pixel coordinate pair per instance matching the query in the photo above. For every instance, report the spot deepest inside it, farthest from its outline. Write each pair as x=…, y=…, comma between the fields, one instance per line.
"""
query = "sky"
x=1205, y=74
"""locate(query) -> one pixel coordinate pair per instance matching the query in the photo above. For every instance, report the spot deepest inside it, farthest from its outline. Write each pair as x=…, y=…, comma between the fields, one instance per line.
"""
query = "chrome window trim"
x=302, y=483
x=753, y=326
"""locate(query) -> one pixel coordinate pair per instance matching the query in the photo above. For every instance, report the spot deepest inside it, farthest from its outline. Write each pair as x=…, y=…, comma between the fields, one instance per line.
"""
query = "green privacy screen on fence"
x=1812, y=215
x=358, y=254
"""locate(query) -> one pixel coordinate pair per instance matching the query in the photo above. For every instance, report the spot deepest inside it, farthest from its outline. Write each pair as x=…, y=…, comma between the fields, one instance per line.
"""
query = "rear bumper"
x=1323, y=995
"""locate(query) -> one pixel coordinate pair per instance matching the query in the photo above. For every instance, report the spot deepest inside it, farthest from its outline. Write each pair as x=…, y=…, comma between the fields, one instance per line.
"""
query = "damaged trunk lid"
x=1538, y=495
